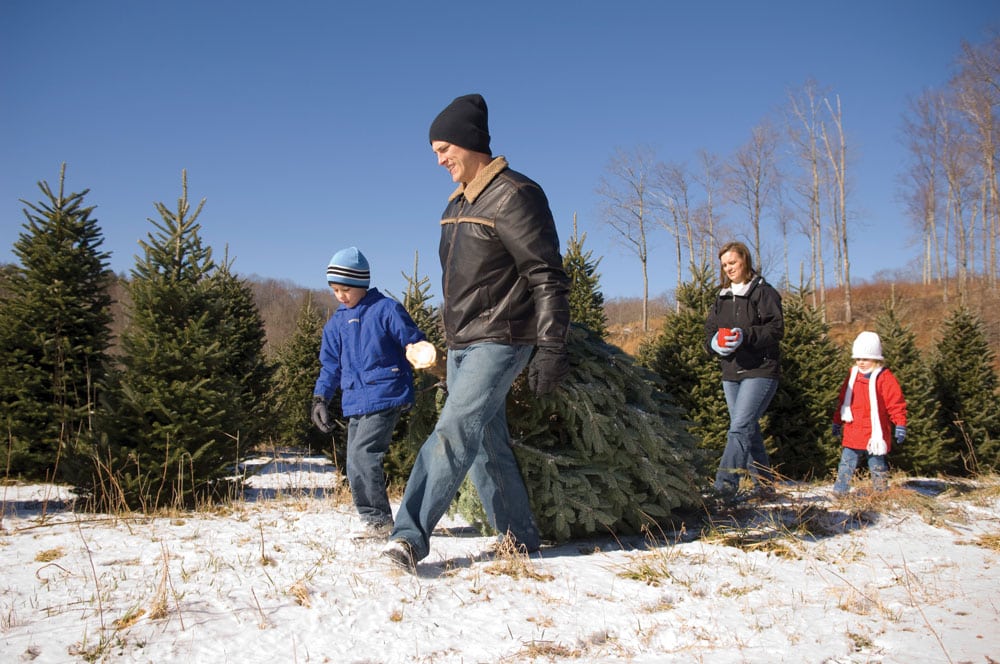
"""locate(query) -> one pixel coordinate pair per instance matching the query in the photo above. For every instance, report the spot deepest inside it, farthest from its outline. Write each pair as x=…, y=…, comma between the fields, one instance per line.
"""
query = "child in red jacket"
x=870, y=403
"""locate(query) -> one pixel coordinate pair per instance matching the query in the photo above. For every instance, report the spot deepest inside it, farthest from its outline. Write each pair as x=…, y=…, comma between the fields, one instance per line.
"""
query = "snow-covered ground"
x=911, y=577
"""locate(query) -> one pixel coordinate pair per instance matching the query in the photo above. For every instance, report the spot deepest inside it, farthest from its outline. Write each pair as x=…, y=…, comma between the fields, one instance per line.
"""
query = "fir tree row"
x=188, y=390
x=951, y=391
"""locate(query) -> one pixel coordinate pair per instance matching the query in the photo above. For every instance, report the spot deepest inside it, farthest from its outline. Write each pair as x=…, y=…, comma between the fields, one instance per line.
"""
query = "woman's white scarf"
x=737, y=289
x=876, y=444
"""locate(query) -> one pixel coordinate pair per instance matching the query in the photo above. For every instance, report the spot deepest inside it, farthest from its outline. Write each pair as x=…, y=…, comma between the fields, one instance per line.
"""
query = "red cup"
x=723, y=333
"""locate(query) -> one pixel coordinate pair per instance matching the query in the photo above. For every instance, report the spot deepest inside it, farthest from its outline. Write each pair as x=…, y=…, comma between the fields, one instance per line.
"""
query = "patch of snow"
x=278, y=579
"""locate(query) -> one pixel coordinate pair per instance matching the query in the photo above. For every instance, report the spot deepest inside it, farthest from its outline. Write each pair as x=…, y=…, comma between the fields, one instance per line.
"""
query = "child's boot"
x=880, y=472
x=843, y=483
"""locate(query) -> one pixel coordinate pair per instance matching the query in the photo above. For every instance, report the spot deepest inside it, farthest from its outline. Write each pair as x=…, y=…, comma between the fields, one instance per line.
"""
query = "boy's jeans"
x=747, y=400
x=849, y=459
x=471, y=436
x=368, y=438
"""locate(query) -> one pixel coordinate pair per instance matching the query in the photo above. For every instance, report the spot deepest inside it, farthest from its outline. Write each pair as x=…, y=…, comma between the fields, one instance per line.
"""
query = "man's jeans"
x=368, y=438
x=849, y=460
x=471, y=436
x=747, y=400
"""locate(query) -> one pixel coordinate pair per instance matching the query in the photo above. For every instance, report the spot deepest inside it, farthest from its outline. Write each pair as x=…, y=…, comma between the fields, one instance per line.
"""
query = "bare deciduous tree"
x=977, y=88
x=804, y=130
x=753, y=177
x=673, y=190
x=710, y=177
x=785, y=218
x=952, y=181
x=836, y=152
x=629, y=208
x=958, y=168
x=921, y=129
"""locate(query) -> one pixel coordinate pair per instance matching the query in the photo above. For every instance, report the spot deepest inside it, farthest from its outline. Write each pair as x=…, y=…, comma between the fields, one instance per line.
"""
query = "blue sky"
x=304, y=123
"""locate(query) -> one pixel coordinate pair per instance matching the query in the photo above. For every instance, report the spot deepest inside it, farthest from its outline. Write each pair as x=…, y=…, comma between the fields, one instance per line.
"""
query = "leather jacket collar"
x=480, y=182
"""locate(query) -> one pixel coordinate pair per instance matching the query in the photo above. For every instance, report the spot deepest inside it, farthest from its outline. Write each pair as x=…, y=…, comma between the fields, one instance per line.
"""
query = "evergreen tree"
x=586, y=302
x=55, y=316
x=608, y=452
x=241, y=333
x=417, y=423
x=417, y=302
x=174, y=437
x=797, y=425
x=295, y=378
x=925, y=449
x=966, y=387
x=690, y=373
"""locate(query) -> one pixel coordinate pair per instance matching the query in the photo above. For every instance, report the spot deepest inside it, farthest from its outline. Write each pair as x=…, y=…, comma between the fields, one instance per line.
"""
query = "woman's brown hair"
x=741, y=250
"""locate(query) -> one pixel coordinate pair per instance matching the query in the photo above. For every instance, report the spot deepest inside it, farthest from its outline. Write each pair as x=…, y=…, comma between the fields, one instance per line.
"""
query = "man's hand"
x=320, y=415
x=547, y=369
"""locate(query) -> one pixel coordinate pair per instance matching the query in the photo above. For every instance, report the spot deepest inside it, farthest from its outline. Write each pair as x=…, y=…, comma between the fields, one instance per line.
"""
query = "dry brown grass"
x=300, y=593
x=48, y=555
x=946, y=510
x=512, y=560
x=896, y=496
x=985, y=492
x=763, y=541
x=989, y=541
x=630, y=337
x=780, y=529
x=548, y=649
x=650, y=567
x=129, y=619
x=777, y=530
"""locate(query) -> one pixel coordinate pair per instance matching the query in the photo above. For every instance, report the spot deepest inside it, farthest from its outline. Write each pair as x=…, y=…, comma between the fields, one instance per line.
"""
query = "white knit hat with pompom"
x=867, y=346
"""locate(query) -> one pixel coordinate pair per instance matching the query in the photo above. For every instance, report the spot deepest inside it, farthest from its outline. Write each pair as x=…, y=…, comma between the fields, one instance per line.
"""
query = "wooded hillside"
x=919, y=306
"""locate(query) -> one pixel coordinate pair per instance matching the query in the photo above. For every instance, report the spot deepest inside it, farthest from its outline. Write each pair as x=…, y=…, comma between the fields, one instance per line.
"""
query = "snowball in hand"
x=421, y=354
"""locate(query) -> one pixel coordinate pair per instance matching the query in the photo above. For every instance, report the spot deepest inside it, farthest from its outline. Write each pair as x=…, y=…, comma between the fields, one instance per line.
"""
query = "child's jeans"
x=368, y=438
x=849, y=460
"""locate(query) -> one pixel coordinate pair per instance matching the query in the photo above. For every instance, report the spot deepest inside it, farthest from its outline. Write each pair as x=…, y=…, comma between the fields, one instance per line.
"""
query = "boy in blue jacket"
x=364, y=351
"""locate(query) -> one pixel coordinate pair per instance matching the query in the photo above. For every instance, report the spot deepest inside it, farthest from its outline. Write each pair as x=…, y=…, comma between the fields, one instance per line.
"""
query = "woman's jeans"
x=747, y=400
x=849, y=460
x=470, y=437
x=368, y=438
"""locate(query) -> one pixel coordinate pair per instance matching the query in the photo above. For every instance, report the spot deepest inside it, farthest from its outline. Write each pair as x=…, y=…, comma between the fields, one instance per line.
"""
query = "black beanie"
x=463, y=122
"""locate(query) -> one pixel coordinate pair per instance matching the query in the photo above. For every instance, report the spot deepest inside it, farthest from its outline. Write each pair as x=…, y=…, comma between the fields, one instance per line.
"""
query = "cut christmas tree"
x=609, y=452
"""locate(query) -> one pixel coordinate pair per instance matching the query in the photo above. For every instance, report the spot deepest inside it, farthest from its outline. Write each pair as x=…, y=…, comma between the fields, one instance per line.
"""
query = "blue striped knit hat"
x=350, y=268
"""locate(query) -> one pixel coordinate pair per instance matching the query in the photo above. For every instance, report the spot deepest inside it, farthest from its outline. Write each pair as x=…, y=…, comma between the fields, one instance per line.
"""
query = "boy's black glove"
x=547, y=369
x=320, y=415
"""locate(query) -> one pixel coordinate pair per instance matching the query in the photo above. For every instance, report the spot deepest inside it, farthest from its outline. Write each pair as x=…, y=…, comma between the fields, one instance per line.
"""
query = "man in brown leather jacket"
x=505, y=304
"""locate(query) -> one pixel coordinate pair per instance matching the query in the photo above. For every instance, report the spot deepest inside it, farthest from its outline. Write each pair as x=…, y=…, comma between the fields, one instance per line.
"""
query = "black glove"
x=547, y=369
x=320, y=415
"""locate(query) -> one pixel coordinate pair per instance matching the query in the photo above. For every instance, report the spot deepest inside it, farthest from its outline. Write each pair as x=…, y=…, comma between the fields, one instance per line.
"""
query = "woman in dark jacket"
x=744, y=329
